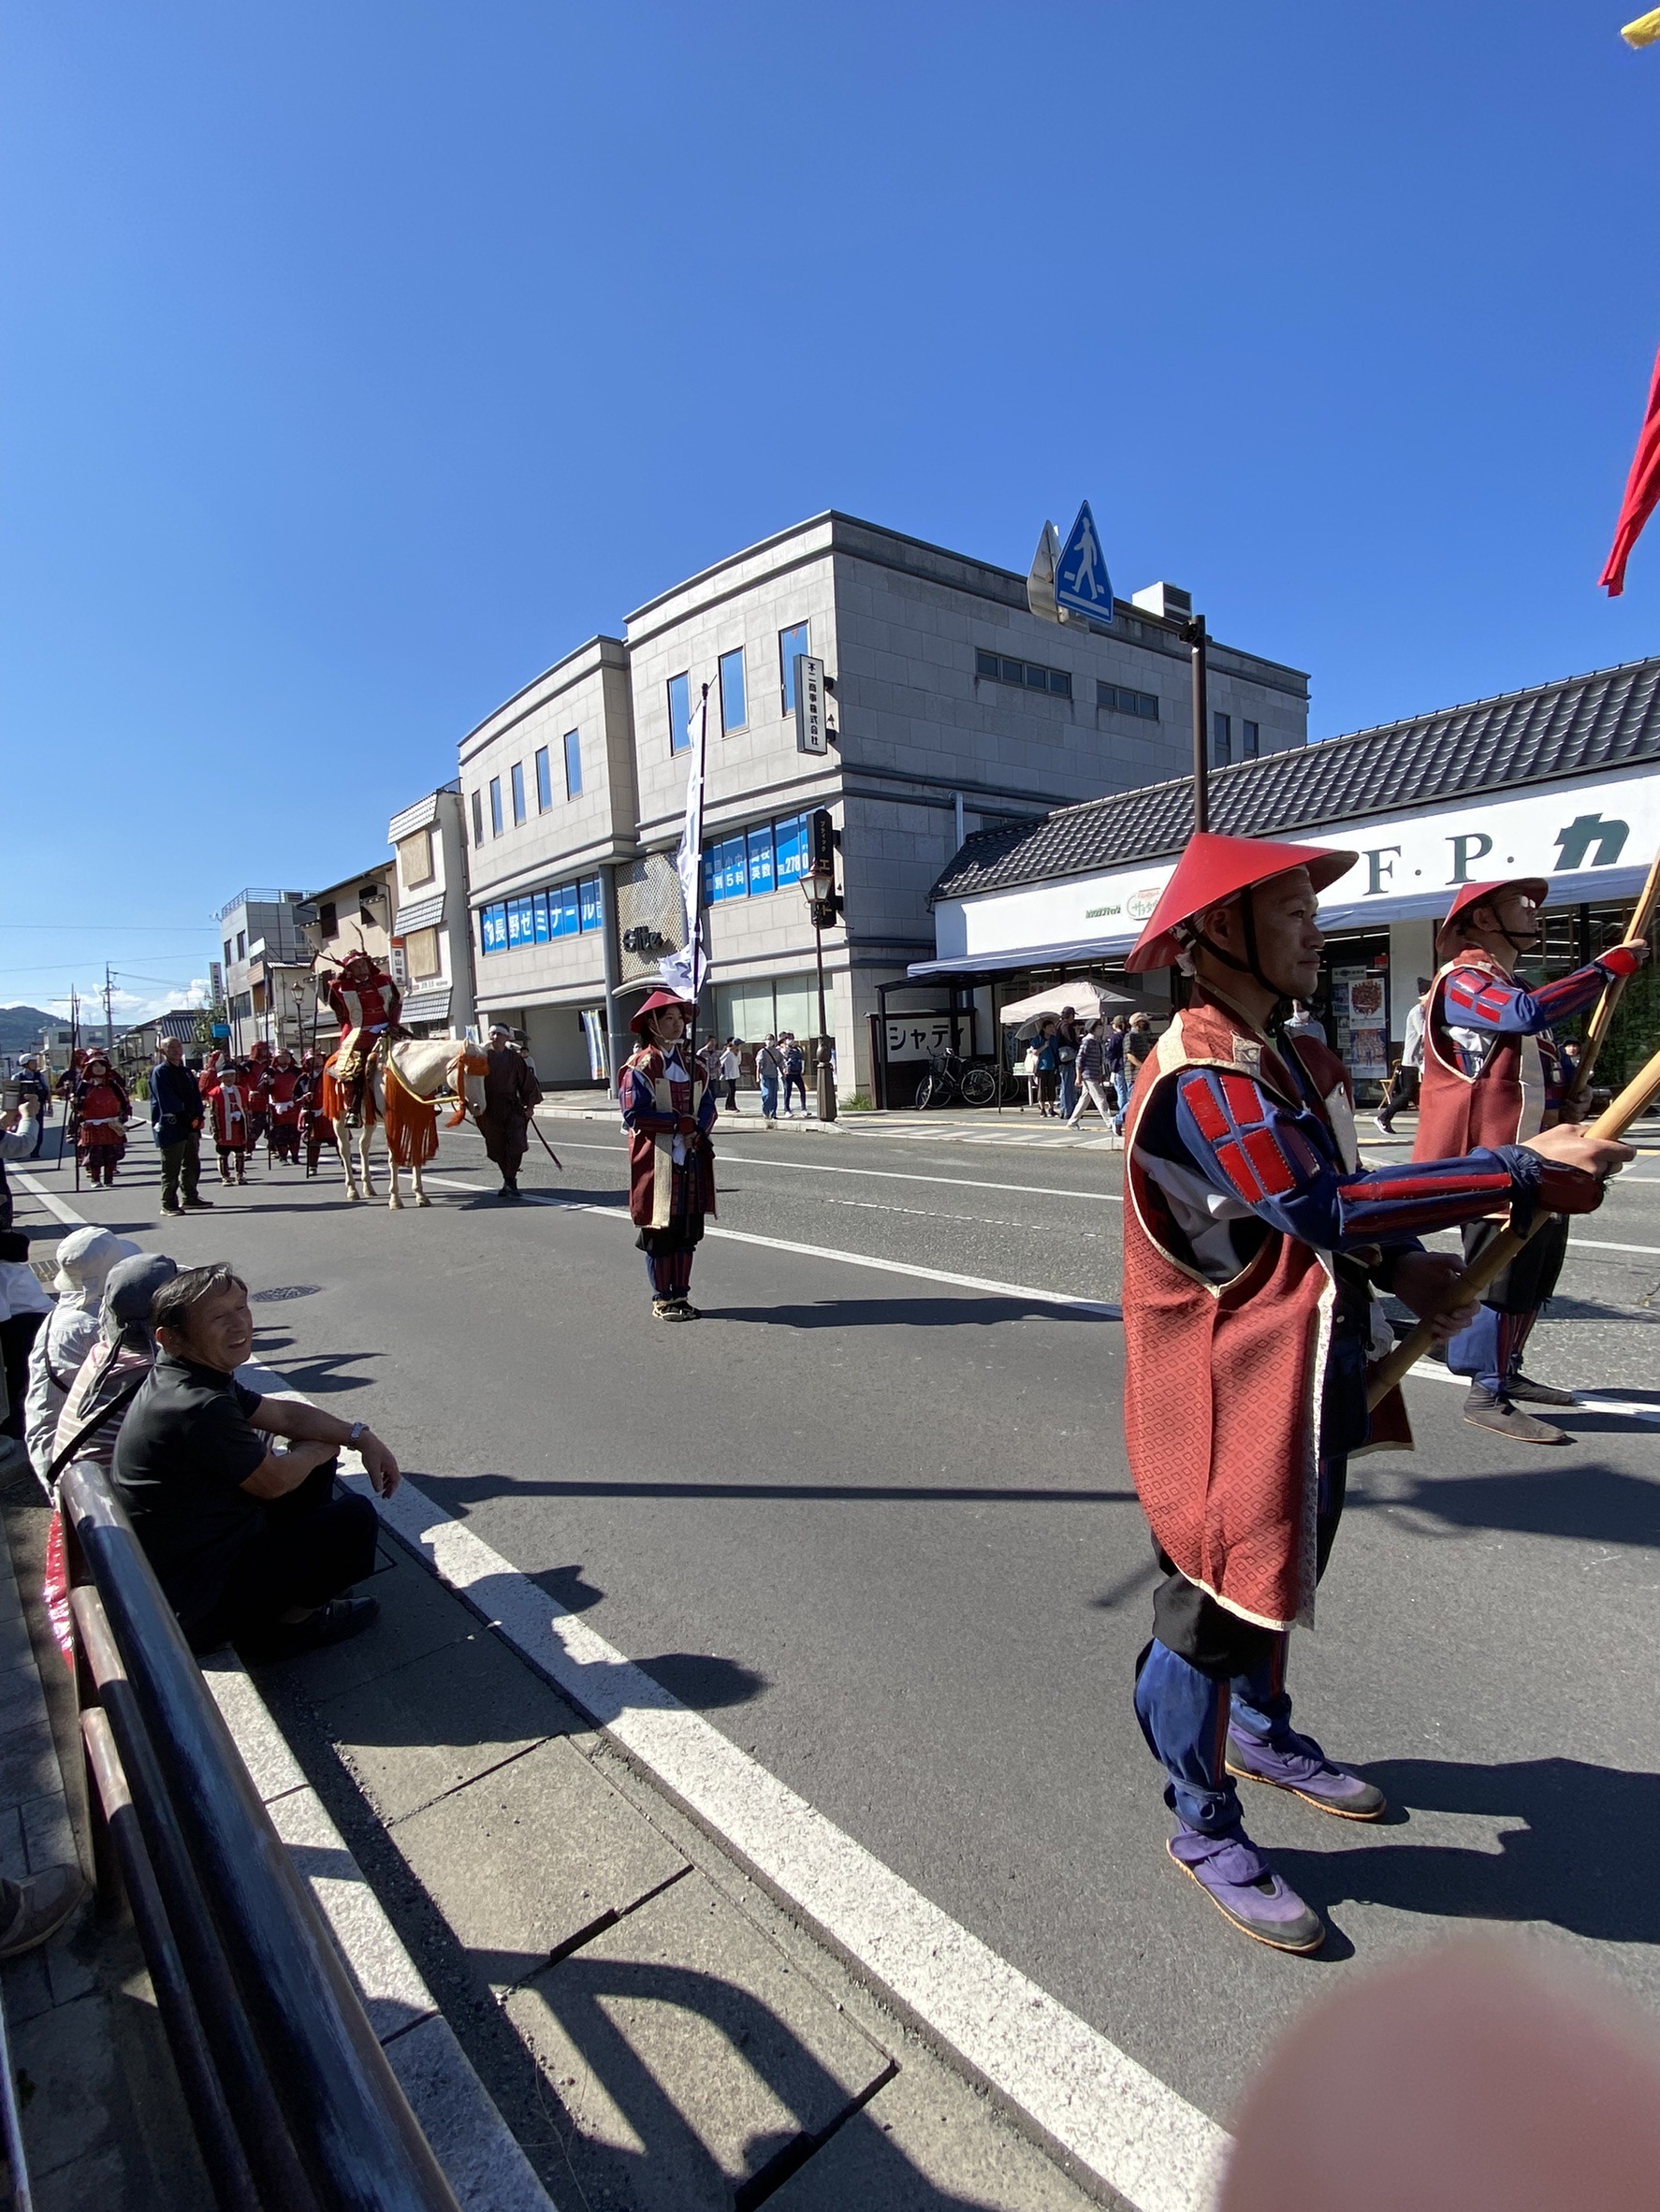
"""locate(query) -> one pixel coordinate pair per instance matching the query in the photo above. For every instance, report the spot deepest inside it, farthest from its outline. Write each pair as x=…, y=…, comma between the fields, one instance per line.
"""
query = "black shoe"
x=1537, y=1393
x=197, y=1206
x=333, y=1623
x=510, y=1191
x=167, y=1209
x=1482, y=1410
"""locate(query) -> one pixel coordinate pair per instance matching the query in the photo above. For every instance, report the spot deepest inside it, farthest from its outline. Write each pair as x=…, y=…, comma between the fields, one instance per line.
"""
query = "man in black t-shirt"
x=248, y=1544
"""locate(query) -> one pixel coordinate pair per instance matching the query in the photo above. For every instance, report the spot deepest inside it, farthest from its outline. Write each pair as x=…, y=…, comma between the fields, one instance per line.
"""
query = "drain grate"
x=282, y=1293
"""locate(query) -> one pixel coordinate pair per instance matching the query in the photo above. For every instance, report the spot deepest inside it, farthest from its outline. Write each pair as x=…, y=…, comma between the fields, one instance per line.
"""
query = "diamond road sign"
x=1082, y=584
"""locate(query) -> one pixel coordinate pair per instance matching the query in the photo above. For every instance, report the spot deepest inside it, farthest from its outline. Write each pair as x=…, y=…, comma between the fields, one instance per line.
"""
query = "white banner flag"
x=683, y=971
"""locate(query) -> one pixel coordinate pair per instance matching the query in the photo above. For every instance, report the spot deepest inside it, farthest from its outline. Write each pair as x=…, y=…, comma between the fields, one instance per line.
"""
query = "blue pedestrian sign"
x=1082, y=584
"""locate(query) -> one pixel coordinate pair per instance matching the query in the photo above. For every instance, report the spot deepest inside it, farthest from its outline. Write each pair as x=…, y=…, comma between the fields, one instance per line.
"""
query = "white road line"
x=1592, y=1245
x=54, y=1204
x=1106, y=1308
x=1158, y=2151
x=818, y=1167
x=1636, y=1409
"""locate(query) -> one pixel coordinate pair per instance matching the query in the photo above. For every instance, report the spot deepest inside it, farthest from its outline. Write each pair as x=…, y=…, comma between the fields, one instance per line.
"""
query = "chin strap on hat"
x=1189, y=935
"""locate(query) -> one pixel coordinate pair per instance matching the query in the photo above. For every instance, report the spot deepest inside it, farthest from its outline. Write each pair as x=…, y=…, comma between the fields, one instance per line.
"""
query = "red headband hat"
x=1213, y=869
x=1537, y=888
x=655, y=1003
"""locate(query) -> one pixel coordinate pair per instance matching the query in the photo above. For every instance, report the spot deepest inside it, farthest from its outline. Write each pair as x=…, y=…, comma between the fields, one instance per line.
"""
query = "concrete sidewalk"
x=658, y=2036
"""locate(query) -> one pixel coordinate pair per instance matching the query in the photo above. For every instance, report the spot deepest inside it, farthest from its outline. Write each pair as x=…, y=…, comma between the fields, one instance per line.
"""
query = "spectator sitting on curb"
x=85, y=1256
x=107, y=1378
x=250, y=1546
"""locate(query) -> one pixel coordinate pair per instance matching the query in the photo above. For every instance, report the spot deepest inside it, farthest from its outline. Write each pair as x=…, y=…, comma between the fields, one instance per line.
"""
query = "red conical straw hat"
x=1537, y=888
x=1214, y=869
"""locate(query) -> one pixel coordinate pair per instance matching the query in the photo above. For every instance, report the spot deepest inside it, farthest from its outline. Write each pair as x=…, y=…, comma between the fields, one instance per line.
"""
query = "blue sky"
x=358, y=360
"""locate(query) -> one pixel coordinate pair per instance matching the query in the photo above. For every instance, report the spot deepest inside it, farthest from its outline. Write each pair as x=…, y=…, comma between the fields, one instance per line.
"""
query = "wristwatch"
x=358, y=1429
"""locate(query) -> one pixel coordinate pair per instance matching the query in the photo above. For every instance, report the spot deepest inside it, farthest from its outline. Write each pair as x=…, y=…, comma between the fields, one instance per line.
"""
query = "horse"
x=401, y=1082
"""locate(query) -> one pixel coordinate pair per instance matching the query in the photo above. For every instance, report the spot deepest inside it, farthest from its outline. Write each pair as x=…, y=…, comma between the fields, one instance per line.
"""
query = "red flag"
x=1642, y=492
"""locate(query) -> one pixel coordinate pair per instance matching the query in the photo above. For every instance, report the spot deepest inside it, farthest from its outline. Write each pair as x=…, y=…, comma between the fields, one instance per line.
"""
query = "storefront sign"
x=914, y=1036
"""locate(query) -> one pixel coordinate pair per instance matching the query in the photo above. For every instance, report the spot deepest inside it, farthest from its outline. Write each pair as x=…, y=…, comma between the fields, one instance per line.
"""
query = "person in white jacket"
x=85, y=1256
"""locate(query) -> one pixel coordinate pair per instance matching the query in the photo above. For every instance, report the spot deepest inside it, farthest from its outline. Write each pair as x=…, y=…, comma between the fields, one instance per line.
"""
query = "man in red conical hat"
x=1493, y=1075
x=1252, y=1241
x=367, y=1003
x=668, y=1110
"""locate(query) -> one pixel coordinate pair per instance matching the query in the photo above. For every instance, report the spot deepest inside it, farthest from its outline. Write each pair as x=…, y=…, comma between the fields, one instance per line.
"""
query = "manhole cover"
x=283, y=1291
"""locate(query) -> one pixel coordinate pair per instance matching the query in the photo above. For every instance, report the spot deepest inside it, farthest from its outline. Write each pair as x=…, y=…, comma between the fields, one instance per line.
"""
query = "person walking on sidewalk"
x=1066, y=1055
x=1048, y=1066
x=1252, y=1240
x=668, y=1110
x=1091, y=1073
x=176, y=1116
x=511, y=1096
x=795, y=1070
x=732, y=1067
x=769, y=1067
x=1403, y=1089
x=1493, y=1075
x=1113, y=1053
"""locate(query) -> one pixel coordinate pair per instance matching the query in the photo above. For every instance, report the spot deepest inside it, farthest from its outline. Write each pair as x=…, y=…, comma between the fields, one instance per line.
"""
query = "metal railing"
x=294, y=2106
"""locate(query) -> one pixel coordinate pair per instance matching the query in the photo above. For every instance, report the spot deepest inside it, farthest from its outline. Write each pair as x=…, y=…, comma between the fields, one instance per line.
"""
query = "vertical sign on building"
x=810, y=705
x=215, y=982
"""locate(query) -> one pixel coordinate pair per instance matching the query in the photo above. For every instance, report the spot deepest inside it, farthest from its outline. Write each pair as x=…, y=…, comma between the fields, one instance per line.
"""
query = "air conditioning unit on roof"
x=1168, y=601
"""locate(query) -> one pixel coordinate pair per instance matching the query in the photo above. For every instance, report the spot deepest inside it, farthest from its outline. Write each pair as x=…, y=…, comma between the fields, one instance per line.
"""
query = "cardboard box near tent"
x=1087, y=998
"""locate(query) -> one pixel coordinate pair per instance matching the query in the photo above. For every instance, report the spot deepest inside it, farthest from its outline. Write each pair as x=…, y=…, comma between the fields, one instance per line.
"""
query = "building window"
x=762, y=875
x=420, y=950
x=1121, y=700
x=735, y=711
x=495, y=806
x=544, y=782
x=748, y=864
x=516, y=776
x=1251, y=745
x=573, y=765
x=328, y=923
x=1221, y=739
x=1000, y=669
x=230, y=951
x=680, y=713
x=477, y=818
x=568, y=910
x=415, y=859
x=793, y=644
x=242, y=943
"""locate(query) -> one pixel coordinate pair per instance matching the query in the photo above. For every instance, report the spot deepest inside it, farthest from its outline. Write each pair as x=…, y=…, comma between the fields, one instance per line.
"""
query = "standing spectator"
x=1028, y=1067
x=1403, y=1090
x=795, y=1070
x=1303, y=1021
x=1113, y=1053
x=23, y=1307
x=1048, y=1065
x=32, y=1084
x=85, y=1258
x=1066, y=1043
x=1092, y=1069
x=19, y=1132
x=1139, y=1043
x=511, y=1096
x=250, y=1546
x=176, y=1116
x=102, y=1111
x=769, y=1067
x=732, y=1067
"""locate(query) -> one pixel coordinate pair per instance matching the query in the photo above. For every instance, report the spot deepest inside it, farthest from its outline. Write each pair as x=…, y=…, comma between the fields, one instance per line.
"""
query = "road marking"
x=1098, y=2105
x=54, y=1205
x=1107, y=1308
x=1592, y=1245
x=1636, y=1409
x=818, y=1167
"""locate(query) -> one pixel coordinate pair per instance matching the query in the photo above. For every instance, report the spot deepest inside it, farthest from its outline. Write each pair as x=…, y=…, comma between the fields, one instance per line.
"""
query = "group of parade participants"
x=1256, y=1248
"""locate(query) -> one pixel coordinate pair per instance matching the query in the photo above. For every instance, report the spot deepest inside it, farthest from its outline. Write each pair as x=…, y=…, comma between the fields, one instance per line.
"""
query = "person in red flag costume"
x=1492, y=1074
x=225, y=1095
x=668, y=1110
x=1253, y=1241
x=102, y=1111
x=366, y=1004
x=279, y=1092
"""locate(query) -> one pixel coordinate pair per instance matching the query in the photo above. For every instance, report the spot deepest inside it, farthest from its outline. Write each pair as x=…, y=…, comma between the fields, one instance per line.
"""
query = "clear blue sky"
x=358, y=360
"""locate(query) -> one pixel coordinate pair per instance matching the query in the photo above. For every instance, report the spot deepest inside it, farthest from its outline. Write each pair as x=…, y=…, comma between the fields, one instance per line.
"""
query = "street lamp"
x=819, y=889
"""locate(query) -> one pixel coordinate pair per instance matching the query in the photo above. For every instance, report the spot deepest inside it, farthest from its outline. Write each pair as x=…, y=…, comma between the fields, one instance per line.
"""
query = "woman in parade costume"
x=1493, y=1075
x=1252, y=1243
x=102, y=1111
x=668, y=1110
x=227, y=1103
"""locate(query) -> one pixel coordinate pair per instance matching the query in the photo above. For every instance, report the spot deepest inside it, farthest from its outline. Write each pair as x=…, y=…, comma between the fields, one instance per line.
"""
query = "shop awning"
x=990, y=964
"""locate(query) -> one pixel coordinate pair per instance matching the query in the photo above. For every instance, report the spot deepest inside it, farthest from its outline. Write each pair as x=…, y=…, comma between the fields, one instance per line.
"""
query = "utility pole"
x=108, y=1012
x=1194, y=632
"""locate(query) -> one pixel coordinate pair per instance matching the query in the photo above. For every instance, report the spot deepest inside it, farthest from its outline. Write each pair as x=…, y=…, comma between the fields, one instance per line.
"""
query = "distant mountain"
x=20, y=1026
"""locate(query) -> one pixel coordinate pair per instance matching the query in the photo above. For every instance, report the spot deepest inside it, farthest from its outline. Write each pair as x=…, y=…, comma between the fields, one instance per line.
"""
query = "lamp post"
x=1195, y=634
x=818, y=888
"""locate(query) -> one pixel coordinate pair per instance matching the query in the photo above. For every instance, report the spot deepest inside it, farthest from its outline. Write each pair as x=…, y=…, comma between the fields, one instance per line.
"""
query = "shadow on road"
x=908, y=1312
x=1596, y=1503
x=473, y=1488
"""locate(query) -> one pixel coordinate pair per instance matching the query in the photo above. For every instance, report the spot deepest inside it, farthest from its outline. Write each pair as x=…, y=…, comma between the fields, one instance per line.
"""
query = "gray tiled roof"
x=1606, y=720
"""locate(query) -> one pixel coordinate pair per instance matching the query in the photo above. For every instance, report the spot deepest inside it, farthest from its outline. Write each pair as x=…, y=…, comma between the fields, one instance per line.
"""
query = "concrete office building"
x=952, y=706
x=261, y=939
x=432, y=944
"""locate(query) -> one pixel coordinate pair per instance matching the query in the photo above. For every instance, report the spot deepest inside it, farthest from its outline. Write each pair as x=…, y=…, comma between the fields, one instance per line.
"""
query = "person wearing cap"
x=511, y=1096
x=1492, y=1074
x=85, y=1258
x=102, y=1111
x=668, y=1110
x=120, y=1355
x=1252, y=1244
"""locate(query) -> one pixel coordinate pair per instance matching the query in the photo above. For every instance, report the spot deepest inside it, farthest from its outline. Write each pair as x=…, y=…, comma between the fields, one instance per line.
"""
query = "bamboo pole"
x=1612, y=1123
x=1602, y=1014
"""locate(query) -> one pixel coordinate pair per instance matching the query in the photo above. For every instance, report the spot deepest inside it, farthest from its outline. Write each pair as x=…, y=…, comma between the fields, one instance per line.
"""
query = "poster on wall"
x=1360, y=1012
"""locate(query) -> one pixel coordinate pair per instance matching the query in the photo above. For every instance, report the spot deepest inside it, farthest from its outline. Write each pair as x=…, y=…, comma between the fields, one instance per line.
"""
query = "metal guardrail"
x=294, y=2106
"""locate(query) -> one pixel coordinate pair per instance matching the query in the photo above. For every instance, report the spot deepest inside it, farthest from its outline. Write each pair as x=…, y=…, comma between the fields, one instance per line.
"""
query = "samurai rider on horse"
x=367, y=1003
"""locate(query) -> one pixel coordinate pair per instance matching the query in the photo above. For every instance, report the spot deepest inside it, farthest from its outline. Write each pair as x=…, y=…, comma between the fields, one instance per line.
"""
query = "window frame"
x=787, y=666
x=477, y=818
x=679, y=724
x=1221, y=739
x=1250, y=739
x=495, y=806
x=516, y=785
x=543, y=780
x=995, y=668
x=423, y=837
x=573, y=752
x=728, y=727
x=421, y=937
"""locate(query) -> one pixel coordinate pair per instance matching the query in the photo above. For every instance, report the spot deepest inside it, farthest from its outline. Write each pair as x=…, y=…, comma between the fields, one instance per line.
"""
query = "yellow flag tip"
x=1645, y=31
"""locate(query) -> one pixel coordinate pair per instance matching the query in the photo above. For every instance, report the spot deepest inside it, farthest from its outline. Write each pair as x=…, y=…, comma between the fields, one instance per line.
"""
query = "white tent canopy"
x=1089, y=1000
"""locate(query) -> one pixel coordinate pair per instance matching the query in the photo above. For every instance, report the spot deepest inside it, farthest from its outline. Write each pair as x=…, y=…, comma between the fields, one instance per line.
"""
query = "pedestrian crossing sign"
x=1082, y=584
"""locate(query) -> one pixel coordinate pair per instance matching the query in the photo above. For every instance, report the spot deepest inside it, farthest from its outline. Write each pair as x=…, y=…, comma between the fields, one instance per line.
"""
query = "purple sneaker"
x=1301, y=1767
x=1245, y=1890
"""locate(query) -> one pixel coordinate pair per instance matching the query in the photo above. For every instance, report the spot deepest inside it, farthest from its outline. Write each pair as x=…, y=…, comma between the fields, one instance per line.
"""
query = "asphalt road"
x=881, y=1529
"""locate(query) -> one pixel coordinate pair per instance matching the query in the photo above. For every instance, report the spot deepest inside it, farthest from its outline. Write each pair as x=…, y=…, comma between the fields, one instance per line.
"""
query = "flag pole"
x=1602, y=1015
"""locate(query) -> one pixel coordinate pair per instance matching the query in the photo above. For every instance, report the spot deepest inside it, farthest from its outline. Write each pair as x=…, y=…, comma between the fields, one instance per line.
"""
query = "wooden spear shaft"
x=1602, y=1015
x=1612, y=1123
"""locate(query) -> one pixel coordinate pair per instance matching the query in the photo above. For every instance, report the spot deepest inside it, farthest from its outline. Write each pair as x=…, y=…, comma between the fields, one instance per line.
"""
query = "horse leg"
x=414, y=1178
x=395, y=1203
x=364, y=1136
x=342, y=1144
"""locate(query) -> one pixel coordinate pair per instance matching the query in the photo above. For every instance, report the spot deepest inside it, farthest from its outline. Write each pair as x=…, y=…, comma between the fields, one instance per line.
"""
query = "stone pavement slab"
x=693, y=2059
x=533, y=1858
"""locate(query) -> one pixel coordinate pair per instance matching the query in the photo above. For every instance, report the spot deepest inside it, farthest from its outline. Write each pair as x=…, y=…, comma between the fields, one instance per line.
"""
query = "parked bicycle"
x=950, y=1076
